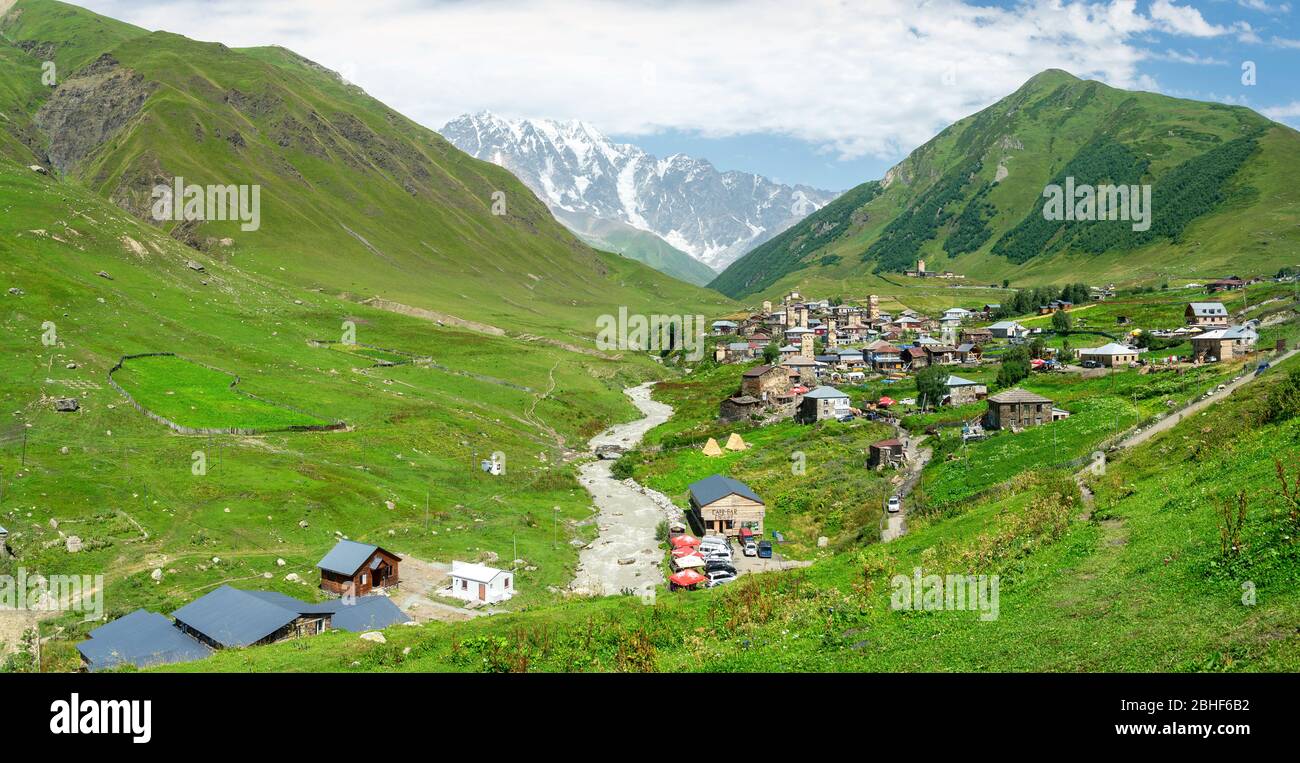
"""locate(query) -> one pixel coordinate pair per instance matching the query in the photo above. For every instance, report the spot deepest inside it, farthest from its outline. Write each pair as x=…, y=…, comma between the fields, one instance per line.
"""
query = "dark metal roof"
x=367, y=613
x=233, y=618
x=346, y=557
x=141, y=639
x=717, y=487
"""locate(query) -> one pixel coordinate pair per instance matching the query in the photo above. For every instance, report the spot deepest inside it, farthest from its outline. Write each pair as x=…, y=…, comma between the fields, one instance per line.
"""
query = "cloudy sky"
x=823, y=92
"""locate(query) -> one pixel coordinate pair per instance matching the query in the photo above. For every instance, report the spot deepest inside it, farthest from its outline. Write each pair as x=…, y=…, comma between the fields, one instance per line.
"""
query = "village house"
x=1017, y=409
x=1007, y=330
x=766, y=383
x=1110, y=355
x=357, y=568
x=823, y=403
x=1225, y=284
x=850, y=357
x=725, y=327
x=885, y=357
x=723, y=506
x=975, y=336
x=740, y=407
x=969, y=353
x=1206, y=314
x=962, y=391
x=739, y=352
x=915, y=358
x=887, y=453
x=940, y=355
x=1224, y=344
x=802, y=370
x=480, y=583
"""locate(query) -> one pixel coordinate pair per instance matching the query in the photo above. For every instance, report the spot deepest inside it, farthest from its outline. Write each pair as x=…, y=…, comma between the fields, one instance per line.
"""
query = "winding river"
x=625, y=556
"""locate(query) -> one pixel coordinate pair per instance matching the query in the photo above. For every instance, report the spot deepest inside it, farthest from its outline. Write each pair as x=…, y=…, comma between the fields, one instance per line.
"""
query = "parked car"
x=718, y=556
x=765, y=549
x=714, y=543
x=1091, y=364
x=846, y=418
x=719, y=566
x=894, y=505
x=751, y=548
x=719, y=577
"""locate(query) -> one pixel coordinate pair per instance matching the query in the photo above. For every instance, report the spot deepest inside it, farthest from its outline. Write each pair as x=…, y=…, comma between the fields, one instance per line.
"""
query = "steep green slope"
x=355, y=199
x=971, y=199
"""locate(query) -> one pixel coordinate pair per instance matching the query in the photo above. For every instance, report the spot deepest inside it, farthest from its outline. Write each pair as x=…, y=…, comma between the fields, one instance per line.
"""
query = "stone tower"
x=806, y=345
x=873, y=308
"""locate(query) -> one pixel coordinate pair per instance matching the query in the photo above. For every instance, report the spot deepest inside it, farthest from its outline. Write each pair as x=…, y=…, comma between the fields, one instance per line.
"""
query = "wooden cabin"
x=358, y=568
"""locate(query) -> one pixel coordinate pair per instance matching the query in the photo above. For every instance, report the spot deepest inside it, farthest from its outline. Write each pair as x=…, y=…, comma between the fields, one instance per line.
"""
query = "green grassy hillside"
x=356, y=199
x=1138, y=581
x=970, y=200
x=490, y=319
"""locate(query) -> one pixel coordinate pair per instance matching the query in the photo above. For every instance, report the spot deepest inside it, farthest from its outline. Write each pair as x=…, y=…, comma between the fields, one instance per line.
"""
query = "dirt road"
x=896, y=524
x=625, y=556
x=1173, y=419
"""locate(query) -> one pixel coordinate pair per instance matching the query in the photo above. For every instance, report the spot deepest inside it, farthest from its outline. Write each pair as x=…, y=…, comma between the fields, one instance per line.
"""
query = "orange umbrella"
x=685, y=540
x=687, y=578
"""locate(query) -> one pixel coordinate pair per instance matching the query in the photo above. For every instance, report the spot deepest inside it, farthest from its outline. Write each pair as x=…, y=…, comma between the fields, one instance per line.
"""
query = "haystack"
x=735, y=442
x=711, y=448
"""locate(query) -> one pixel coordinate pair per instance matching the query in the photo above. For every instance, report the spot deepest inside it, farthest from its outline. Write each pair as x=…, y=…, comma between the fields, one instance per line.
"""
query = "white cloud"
x=1264, y=7
x=1188, y=57
x=869, y=79
x=1289, y=111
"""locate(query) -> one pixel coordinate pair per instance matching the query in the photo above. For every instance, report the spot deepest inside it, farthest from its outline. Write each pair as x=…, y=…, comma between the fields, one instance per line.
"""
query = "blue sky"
x=827, y=93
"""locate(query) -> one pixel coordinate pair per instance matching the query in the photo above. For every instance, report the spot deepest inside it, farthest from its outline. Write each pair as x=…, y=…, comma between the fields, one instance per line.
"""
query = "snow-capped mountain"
x=713, y=216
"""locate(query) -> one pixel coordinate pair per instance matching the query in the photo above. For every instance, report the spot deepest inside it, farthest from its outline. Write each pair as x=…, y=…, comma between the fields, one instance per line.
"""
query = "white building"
x=478, y=582
x=1008, y=330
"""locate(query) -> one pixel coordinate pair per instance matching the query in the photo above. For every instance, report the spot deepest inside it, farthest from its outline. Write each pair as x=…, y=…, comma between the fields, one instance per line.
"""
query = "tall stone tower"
x=831, y=340
x=802, y=312
x=767, y=307
x=920, y=266
x=806, y=345
x=873, y=308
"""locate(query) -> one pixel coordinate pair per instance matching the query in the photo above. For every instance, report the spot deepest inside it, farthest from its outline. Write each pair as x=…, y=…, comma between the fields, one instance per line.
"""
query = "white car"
x=718, y=577
x=894, y=505
x=751, y=548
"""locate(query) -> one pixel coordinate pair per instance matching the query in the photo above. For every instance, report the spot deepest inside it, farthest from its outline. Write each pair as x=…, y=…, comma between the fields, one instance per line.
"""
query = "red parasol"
x=886, y=401
x=687, y=578
x=685, y=540
x=681, y=551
